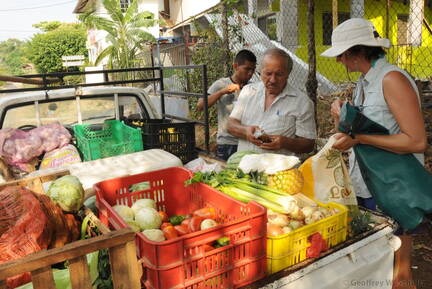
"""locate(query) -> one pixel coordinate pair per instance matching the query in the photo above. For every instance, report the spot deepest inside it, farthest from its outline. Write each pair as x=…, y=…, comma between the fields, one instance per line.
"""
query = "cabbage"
x=148, y=218
x=143, y=203
x=155, y=235
x=125, y=212
x=133, y=225
x=67, y=192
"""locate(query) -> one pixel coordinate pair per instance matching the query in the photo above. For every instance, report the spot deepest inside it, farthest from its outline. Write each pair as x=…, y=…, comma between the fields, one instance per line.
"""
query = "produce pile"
x=31, y=222
x=272, y=181
x=157, y=226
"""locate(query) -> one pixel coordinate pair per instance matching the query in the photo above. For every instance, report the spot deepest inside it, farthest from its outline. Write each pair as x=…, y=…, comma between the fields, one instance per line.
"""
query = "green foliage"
x=104, y=279
x=46, y=49
x=360, y=222
x=125, y=32
x=47, y=26
x=12, y=56
x=209, y=51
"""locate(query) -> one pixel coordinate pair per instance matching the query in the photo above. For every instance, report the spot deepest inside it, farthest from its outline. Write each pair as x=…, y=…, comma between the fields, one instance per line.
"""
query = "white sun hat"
x=352, y=32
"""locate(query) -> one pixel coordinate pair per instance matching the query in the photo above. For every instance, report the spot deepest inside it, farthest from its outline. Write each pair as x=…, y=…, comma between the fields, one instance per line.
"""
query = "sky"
x=18, y=16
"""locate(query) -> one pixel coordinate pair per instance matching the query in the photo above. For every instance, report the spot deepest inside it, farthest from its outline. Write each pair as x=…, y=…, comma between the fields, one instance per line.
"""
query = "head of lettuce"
x=67, y=192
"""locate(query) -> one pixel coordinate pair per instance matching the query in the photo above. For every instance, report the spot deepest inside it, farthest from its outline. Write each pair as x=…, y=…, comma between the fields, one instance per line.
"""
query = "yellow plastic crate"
x=289, y=249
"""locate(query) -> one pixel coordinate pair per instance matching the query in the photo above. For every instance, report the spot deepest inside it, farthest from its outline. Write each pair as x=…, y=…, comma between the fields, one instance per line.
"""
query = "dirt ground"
x=422, y=257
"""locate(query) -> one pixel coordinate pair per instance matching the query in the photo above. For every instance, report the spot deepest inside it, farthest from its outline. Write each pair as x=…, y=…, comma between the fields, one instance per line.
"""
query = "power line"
x=36, y=7
x=7, y=30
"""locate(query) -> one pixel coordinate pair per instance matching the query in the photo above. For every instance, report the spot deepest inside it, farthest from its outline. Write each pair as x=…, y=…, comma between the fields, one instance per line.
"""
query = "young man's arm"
x=214, y=97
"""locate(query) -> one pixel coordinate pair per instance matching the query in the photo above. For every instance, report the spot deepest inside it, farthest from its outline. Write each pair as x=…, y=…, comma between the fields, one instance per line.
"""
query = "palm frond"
x=114, y=10
x=104, y=53
x=131, y=11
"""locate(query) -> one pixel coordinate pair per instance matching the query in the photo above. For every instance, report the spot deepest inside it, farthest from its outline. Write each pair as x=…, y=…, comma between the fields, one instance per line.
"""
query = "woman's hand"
x=344, y=142
x=335, y=109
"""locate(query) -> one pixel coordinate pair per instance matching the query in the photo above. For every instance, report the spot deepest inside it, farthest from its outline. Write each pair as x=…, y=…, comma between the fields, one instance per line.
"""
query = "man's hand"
x=250, y=131
x=276, y=143
x=344, y=142
x=231, y=88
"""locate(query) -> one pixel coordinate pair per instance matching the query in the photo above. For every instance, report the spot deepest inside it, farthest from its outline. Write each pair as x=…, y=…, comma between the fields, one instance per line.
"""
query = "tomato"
x=206, y=213
x=195, y=223
x=163, y=216
x=181, y=229
x=169, y=232
x=186, y=222
x=165, y=224
x=207, y=248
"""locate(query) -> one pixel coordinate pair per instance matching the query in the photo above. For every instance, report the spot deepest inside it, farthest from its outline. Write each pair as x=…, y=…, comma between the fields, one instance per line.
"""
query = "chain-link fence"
x=264, y=24
x=284, y=24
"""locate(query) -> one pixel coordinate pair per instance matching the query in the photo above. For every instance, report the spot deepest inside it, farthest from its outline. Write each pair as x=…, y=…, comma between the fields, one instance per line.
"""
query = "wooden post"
x=335, y=17
x=387, y=25
x=79, y=269
x=311, y=83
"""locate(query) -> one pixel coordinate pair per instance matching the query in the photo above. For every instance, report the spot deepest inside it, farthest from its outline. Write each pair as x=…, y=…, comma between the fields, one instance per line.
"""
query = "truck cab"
x=69, y=106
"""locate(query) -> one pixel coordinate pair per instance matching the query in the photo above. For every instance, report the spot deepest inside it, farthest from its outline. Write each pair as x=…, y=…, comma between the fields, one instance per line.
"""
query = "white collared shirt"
x=291, y=114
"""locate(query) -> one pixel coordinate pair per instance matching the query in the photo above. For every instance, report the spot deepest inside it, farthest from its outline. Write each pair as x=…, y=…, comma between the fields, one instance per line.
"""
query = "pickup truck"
x=363, y=262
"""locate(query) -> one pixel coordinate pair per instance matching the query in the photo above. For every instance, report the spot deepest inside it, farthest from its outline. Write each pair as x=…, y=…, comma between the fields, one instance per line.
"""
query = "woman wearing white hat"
x=388, y=96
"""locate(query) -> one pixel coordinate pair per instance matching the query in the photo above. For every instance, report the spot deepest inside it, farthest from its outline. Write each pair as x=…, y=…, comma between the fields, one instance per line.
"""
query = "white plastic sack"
x=200, y=165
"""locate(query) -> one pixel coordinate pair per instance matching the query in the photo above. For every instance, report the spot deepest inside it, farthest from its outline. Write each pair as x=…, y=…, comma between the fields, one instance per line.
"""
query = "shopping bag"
x=326, y=177
x=400, y=185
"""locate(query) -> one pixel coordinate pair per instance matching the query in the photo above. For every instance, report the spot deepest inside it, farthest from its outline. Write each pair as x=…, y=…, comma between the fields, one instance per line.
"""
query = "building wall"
x=181, y=10
x=153, y=6
x=416, y=60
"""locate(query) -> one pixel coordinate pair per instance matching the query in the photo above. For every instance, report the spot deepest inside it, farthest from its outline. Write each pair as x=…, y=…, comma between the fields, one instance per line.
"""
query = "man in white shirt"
x=285, y=114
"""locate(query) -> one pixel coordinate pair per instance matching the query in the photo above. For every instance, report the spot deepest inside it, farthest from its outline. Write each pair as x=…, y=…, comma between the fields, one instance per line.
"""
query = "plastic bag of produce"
x=23, y=228
x=200, y=165
x=326, y=177
x=60, y=157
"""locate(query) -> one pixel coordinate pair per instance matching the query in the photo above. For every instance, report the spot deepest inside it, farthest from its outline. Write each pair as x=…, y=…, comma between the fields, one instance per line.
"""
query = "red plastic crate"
x=182, y=262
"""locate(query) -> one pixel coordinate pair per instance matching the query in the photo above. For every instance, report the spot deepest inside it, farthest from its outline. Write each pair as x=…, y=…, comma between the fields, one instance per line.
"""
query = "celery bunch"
x=240, y=187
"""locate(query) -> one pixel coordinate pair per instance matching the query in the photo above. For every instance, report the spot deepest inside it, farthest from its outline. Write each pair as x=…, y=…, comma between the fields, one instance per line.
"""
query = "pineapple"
x=290, y=181
x=274, y=170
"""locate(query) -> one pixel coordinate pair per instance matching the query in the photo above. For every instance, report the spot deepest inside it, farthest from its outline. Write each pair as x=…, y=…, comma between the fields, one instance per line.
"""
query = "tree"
x=125, y=32
x=12, y=57
x=46, y=49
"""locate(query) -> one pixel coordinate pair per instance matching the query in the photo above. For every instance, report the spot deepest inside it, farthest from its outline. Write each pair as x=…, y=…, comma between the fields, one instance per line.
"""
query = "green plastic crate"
x=115, y=138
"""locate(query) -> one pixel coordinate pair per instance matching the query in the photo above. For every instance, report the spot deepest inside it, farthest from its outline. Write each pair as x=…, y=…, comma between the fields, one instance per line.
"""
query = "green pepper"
x=224, y=241
x=176, y=219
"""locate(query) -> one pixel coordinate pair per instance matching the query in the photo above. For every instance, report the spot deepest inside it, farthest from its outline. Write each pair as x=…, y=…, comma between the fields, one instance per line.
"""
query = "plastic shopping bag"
x=326, y=178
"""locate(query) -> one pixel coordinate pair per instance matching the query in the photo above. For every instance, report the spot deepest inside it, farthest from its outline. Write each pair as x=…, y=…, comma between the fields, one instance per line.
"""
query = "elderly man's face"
x=274, y=74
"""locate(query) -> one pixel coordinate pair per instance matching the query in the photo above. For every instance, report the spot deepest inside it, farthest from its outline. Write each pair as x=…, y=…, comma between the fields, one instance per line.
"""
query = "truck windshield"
x=93, y=110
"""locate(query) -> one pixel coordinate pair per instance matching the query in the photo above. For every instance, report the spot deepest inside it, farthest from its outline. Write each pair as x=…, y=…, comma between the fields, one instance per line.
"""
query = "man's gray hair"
x=279, y=53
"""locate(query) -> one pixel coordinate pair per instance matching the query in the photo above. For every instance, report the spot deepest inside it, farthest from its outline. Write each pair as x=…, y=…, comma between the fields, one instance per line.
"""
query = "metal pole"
x=158, y=52
x=162, y=100
x=206, y=112
x=153, y=66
